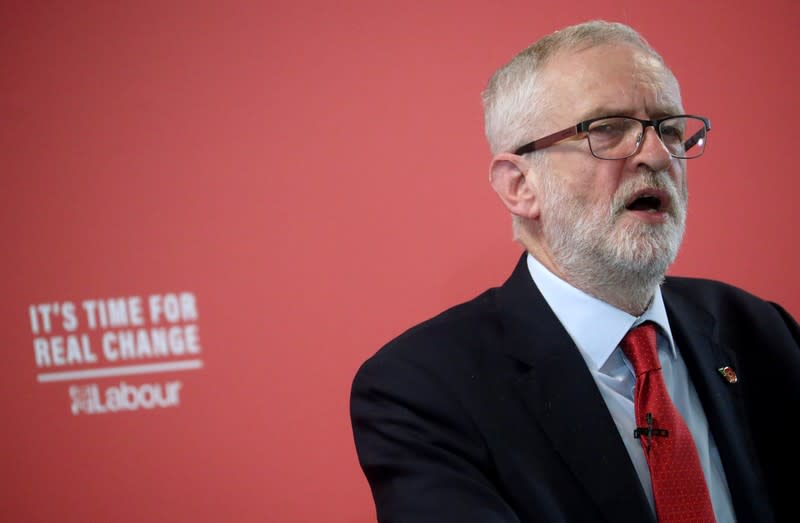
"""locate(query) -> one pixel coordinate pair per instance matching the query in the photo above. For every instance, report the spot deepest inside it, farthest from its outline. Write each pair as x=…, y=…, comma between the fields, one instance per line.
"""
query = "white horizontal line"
x=123, y=370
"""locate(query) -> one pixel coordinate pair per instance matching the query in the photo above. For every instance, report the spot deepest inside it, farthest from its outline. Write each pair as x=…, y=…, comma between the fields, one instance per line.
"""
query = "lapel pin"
x=728, y=373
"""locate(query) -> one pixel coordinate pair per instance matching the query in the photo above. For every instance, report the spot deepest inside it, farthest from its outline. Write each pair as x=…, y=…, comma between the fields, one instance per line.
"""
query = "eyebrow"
x=603, y=111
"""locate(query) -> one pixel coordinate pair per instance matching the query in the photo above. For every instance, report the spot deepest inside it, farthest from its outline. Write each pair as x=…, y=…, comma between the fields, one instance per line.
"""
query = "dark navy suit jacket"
x=488, y=413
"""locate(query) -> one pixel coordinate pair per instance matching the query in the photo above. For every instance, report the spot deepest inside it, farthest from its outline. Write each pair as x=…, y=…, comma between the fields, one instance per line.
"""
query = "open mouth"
x=648, y=200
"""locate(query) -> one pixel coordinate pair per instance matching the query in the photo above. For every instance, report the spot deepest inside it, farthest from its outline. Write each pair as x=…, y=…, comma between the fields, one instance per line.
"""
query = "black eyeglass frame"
x=583, y=128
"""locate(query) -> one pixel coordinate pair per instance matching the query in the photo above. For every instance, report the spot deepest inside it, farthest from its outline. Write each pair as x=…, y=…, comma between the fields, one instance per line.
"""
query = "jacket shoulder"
x=734, y=308
x=451, y=335
x=708, y=291
x=694, y=285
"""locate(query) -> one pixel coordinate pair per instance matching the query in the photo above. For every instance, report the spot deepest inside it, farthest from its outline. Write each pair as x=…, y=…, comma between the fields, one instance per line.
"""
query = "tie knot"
x=639, y=345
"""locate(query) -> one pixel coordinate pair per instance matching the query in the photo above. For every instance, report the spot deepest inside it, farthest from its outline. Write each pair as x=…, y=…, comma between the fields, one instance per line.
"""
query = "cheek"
x=679, y=175
x=603, y=183
x=585, y=175
x=587, y=181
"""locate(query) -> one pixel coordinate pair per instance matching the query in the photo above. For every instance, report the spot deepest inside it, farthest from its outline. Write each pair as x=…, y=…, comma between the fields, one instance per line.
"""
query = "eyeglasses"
x=618, y=137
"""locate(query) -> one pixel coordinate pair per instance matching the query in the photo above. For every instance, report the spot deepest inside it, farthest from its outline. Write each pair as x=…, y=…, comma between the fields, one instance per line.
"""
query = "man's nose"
x=652, y=150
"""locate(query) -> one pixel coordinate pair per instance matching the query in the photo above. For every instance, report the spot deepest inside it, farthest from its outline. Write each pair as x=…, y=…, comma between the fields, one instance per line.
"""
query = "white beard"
x=621, y=263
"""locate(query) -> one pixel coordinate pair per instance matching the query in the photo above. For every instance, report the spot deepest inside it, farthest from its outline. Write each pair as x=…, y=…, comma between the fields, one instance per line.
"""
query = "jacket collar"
x=561, y=395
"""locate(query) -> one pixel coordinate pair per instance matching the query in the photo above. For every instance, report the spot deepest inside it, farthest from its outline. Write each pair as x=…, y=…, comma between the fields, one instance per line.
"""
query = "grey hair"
x=514, y=99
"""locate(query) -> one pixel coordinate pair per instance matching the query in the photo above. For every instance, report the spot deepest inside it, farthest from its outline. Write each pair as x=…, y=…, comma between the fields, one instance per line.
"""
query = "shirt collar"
x=595, y=326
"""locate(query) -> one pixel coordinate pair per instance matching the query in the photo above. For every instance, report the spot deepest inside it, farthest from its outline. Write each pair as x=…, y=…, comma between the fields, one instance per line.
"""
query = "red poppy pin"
x=728, y=373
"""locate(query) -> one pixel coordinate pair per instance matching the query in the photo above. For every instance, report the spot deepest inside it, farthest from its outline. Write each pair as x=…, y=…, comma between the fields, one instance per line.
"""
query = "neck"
x=629, y=292
x=626, y=289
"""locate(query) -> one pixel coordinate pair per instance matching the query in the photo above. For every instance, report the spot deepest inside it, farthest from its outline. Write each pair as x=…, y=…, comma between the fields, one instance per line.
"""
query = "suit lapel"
x=696, y=335
x=562, y=396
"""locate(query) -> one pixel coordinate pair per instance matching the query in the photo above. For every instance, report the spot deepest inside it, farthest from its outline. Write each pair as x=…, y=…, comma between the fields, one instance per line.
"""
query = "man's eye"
x=609, y=128
x=672, y=131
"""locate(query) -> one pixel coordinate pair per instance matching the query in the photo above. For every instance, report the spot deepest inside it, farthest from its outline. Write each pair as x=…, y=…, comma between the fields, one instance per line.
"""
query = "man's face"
x=610, y=217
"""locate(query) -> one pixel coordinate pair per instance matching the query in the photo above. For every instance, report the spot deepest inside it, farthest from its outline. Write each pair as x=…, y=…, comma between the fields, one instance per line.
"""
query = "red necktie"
x=679, y=487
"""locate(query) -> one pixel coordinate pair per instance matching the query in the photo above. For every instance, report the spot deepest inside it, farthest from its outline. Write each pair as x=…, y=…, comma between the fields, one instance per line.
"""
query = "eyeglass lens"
x=619, y=137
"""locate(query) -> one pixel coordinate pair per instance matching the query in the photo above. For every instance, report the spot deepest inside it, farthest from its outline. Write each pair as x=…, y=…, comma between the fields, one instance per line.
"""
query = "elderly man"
x=588, y=387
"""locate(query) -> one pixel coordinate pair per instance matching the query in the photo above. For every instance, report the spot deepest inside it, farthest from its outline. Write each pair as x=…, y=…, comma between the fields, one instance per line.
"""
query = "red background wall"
x=316, y=175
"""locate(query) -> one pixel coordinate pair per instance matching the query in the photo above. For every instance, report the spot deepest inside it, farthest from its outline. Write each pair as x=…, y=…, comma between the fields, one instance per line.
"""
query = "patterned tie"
x=679, y=487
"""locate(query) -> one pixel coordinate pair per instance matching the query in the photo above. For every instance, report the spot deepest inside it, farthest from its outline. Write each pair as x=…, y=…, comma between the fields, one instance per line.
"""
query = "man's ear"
x=509, y=175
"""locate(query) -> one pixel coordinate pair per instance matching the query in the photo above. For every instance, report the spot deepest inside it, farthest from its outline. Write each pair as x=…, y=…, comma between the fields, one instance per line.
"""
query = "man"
x=527, y=403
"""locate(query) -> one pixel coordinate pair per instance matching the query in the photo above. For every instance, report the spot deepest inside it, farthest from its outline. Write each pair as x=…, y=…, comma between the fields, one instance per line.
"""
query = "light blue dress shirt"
x=597, y=329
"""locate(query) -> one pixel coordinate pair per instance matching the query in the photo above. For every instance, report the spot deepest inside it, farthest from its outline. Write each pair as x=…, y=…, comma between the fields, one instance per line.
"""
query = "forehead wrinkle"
x=633, y=84
x=660, y=81
x=662, y=97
